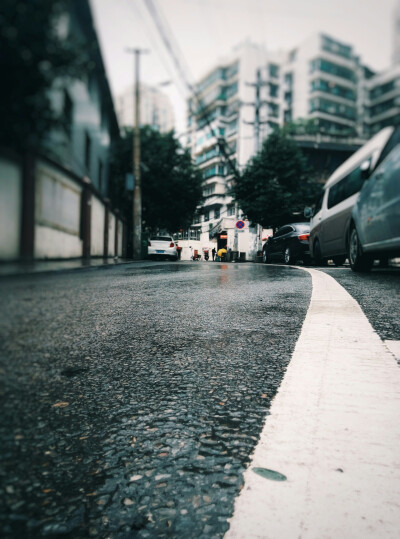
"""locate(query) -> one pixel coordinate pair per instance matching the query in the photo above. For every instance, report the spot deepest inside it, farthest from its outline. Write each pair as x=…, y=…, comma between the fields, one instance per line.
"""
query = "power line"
x=178, y=60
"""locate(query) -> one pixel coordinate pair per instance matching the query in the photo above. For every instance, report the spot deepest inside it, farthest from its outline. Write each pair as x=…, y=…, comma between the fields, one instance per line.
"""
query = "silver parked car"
x=375, y=223
x=162, y=247
x=331, y=218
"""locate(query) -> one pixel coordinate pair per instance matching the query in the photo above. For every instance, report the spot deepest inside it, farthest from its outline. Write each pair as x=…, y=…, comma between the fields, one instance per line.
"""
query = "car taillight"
x=304, y=237
x=172, y=244
x=149, y=243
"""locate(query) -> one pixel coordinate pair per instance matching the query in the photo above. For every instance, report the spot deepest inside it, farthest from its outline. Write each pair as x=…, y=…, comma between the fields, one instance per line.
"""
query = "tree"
x=34, y=55
x=171, y=184
x=276, y=185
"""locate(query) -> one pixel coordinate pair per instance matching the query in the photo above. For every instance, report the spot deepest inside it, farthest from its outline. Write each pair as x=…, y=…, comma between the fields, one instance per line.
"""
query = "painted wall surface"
x=10, y=209
x=188, y=248
x=97, y=228
x=52, y=243
x=111, y=234
x=57, y=214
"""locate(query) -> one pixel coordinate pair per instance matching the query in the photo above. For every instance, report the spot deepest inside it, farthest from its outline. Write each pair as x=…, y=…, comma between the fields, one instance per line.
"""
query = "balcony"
x=332, y=118
x=392, y=112
x=214, y=190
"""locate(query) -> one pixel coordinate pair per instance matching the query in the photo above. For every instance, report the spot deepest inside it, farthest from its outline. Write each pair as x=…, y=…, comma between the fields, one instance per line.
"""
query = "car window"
x=391, y=143
x=284, y=230
x=161, y=238
x=337, y=193
x=354, y=182
x=302, y=227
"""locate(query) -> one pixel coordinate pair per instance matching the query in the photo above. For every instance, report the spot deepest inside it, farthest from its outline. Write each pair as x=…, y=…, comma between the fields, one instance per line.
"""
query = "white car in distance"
x=162, y=247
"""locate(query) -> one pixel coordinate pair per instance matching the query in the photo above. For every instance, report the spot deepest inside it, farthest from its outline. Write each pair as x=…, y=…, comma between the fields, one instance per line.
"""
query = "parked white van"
x=330, y=220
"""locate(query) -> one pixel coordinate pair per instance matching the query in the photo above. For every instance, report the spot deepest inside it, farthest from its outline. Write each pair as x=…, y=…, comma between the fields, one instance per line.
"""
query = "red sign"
x=240, y=224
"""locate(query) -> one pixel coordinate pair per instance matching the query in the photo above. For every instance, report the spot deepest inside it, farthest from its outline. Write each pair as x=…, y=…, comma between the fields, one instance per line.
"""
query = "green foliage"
x=301, y=127
x=171, y=185
x=275, y=186
x=34, y=55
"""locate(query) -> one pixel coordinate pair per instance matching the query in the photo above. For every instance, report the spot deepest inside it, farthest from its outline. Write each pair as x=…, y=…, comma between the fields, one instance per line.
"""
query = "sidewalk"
x=8, y=269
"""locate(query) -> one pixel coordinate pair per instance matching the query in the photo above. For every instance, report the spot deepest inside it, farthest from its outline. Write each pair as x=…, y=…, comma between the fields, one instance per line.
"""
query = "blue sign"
x=240, y=224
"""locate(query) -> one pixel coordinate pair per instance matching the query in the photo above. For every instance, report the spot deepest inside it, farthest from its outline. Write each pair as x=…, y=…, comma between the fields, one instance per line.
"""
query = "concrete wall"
x=57, y=214
x=97, y=228
x=10, y=209
x=54, y=213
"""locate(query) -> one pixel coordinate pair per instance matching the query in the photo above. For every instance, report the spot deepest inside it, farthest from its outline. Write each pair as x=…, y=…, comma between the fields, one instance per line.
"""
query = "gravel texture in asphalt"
x=378, y=294
x=132, y=397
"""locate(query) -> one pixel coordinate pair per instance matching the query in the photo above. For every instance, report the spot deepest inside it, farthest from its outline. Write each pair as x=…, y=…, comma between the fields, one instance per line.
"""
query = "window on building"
x=206, y=216
x=273, y=70
x=217, y=213
x=382, y=89
x=319, y=64
x=88, y=148
x=209, y=190
x=231, y=209
x=289, y=79
x=273, y=90
x=322, y=85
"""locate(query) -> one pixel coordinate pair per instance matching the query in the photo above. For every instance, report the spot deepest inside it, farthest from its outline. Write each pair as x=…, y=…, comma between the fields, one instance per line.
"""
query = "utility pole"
x=137, y=192
x=257, y=107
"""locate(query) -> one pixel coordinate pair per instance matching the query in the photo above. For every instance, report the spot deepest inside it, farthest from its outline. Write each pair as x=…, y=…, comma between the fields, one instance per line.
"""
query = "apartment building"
x=224, y=109
x=155, y=108
x=320, y=83
x=253, y=91
x=382, y=100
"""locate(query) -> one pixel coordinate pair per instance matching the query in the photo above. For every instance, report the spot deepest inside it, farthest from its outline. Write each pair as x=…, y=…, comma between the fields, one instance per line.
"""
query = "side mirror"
x=365, y=169
x=308, y=212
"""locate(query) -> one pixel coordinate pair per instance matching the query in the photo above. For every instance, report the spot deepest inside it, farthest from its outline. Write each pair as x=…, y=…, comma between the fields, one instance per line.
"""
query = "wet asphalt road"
x=378, y=294
x=133, y=397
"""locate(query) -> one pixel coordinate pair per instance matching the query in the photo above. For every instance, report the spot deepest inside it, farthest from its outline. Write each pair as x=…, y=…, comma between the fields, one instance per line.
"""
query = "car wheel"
x=288, y=256
x=319, y=261
x=339, y=260
x=266, y=257
x=358, y=260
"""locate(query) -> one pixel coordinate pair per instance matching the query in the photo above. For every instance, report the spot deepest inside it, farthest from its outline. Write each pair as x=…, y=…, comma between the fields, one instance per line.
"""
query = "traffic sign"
x=240, y=224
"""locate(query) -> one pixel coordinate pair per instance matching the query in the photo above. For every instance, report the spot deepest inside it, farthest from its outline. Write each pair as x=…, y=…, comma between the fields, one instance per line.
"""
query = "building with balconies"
x=320, y=83
x=253, y=91
x=382, y=100
x=222, y=108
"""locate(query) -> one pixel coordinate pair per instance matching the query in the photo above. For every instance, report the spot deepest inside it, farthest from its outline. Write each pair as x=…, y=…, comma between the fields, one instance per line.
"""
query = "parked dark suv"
x=289, y=244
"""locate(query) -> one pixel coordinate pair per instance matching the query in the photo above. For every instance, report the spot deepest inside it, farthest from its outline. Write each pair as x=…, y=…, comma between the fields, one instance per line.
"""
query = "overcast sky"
x=204, y=30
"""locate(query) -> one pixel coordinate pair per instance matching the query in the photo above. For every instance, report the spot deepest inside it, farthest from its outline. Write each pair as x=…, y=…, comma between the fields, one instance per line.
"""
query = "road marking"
x=333, y=431
x=394, y=347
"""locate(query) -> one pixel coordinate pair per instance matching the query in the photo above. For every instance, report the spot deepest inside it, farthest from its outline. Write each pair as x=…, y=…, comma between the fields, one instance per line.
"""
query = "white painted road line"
x=394, y=347
x=334, y=432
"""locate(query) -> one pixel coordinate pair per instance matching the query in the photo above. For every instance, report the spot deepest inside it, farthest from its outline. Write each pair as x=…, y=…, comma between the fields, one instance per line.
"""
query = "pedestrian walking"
x=213, y=251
